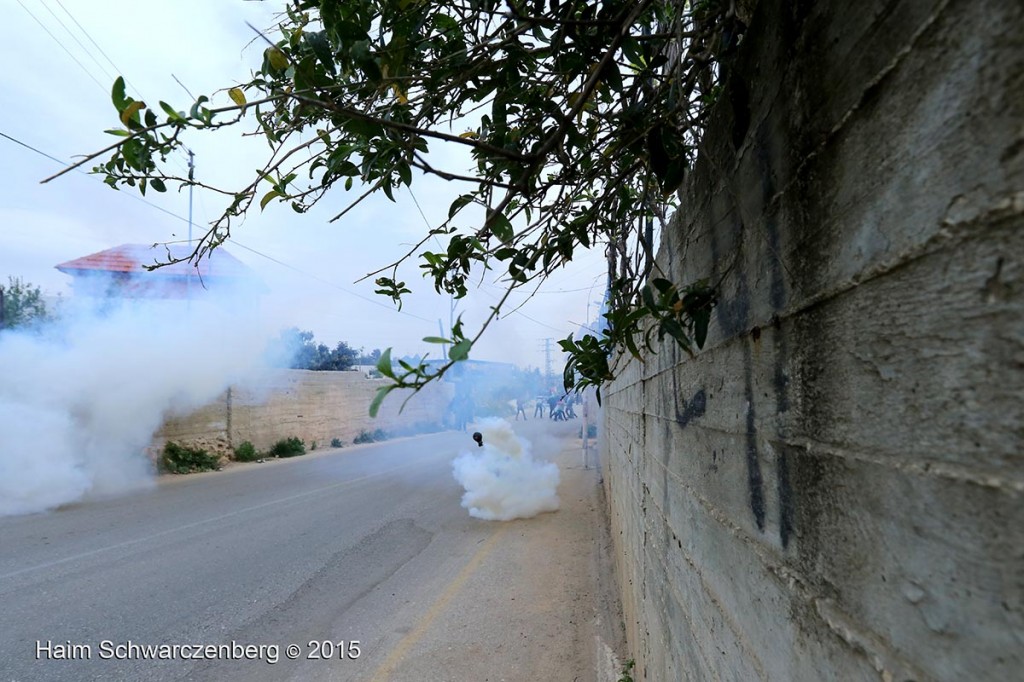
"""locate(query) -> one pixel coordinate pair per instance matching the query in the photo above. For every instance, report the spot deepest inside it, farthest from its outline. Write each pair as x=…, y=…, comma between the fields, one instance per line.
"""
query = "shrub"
x=370, y=436
x=336, y=443
x=312, y=446
x=246, y=452
x=182, y=459
x=288, y=447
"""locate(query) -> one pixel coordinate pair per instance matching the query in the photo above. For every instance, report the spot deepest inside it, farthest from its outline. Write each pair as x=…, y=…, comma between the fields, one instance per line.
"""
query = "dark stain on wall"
x=733, y=317
x=695, y=407
x=768, y=148
x=755, y=480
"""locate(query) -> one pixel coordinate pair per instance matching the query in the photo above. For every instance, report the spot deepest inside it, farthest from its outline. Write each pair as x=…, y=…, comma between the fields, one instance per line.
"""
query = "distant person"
x=569, y=412
x=538, y=409
x=552, y=401
x=520, y=408
x=558, y=414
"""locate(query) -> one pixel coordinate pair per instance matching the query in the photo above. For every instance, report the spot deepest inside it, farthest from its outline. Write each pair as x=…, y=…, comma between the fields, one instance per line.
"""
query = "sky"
x=61, y=58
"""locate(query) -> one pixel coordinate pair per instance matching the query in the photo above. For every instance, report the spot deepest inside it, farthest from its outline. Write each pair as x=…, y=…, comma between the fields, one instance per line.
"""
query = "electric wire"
x=110, y=61
x=85, y=49
x=105, y=56
x=58, y=41
x=233, y=241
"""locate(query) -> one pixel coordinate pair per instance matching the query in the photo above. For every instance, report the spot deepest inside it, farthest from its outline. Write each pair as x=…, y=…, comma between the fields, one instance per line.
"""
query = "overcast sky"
x=60, y=58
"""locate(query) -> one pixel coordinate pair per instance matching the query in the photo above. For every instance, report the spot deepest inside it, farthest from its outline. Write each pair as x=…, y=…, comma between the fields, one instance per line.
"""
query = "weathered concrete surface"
x=313, y=406
x=833, y=489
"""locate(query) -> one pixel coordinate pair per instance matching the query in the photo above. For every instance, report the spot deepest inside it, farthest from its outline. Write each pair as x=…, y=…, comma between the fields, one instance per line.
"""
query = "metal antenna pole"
x=191, y=176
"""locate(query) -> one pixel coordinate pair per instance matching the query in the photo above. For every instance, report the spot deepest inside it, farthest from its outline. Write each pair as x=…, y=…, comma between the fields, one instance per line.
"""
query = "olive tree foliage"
x=22, y=305
x=582, y=119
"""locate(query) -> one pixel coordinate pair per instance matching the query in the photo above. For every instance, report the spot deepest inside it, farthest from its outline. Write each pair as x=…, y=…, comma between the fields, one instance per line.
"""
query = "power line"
x=85, y=49
x=57, y=40
x=86, y=33
x=28, y=146
x=75, y=38
x=332, y=284
x=233, y=241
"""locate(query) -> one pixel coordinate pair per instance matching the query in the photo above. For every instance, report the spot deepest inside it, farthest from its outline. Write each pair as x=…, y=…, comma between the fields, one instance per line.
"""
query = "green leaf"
x=458, y=204
x=405, y=173
x=701, y=319
x=117, y=94
x=157, y=184
x=501, y=227
x=268, y=197
x=120, y=132
x=384, y=365
x=662, y=285
x=171, y=113
x=322, y=49
x=237, y=96
x=435, y=339
x=460, y=351
x=382, y=393
x=648, y=297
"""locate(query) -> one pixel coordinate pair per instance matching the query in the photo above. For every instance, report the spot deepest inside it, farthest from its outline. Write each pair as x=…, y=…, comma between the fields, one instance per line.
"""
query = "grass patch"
x=182, y=459
x=287, y=447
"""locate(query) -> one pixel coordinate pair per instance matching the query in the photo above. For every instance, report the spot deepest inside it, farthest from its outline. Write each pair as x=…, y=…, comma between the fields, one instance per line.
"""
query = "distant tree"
x=304, y=353
x=23, y=305
x=371, y=358
x=338, y=359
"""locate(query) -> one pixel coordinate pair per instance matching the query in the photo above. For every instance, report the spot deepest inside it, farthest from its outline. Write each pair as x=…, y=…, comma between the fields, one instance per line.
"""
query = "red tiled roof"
x=131, y=258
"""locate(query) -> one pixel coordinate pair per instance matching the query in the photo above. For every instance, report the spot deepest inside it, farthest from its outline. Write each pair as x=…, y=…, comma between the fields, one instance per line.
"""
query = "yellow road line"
x=402, y=648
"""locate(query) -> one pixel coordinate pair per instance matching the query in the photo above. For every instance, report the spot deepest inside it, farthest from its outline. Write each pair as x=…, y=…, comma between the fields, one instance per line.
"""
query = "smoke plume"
x=502, y=480
x=80, y=402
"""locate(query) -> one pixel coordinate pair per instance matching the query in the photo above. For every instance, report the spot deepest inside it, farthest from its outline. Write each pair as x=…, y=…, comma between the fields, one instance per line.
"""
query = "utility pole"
x=547, y=361
x=440, y=330
x=1, y=307
x=191, y=175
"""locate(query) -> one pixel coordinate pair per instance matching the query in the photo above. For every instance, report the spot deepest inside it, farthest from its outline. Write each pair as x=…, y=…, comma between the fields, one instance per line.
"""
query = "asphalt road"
x=355, y=545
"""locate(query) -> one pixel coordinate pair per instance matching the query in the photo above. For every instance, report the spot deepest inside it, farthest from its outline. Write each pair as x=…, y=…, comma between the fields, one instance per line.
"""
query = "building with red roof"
x=122, y=272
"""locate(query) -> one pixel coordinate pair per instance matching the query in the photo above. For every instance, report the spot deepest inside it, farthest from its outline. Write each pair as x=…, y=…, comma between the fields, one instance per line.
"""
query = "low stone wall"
x=313, y=406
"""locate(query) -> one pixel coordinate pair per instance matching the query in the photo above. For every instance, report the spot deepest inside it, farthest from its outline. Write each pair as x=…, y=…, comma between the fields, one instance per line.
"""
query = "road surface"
x=361, y=560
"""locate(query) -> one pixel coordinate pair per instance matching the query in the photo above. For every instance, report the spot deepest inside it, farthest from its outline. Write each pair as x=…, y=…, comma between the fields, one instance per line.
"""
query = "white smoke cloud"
x=502, y=480
x=79, y=403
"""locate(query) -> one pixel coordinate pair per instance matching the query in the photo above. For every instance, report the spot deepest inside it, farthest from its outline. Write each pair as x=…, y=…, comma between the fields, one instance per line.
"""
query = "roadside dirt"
x=537, y=602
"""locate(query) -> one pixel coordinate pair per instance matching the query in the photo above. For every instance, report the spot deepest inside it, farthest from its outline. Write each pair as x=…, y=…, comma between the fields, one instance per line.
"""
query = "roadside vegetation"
x=370, y=436
x=246, y=452
x=22, y=305
x=183, y=459
x=287, y=447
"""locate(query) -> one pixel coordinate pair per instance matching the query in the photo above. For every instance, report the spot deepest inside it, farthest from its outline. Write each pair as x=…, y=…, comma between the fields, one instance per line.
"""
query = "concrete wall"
x=833, y=489
x=314, y=406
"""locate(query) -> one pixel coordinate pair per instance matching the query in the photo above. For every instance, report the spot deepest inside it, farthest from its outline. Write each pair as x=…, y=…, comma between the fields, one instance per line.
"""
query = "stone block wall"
x=833, y=488
x=313, y=406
